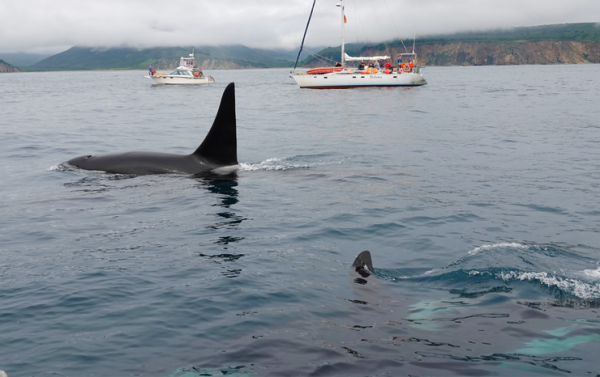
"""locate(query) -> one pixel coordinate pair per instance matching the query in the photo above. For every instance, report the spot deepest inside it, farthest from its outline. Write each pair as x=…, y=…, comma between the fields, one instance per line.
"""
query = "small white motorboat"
x=187, y=73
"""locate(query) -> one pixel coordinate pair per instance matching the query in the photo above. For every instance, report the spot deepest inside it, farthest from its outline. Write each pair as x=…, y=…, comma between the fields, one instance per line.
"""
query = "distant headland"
x=5, y=67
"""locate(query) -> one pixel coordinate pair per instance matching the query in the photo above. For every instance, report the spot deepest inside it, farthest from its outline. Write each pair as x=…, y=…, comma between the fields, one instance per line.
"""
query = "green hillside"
x=87, y=58
x=581, y=32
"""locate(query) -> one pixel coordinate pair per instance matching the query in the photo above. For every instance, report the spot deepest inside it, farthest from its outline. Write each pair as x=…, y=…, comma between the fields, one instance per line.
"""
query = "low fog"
x=47, y=27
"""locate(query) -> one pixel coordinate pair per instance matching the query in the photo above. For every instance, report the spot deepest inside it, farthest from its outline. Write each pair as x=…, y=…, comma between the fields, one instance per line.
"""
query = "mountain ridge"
x=207, y=57
x=545, y=44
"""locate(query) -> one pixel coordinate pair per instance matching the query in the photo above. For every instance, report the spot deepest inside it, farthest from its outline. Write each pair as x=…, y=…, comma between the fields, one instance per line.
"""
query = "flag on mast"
x=345, y=21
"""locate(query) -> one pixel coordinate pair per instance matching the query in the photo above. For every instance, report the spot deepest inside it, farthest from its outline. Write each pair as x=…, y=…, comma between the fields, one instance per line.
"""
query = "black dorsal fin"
x=363, y=260
x=220, y=145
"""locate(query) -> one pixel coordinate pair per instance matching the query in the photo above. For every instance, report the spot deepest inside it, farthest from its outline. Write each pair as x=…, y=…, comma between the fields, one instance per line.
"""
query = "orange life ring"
x=158, y=75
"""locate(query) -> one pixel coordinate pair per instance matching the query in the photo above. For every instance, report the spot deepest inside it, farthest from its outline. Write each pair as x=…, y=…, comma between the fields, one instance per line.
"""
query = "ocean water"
x=478, y=196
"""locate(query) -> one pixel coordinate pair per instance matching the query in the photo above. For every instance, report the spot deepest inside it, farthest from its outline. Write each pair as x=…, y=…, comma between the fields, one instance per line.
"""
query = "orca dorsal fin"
x=363, y=260
x=220, y=144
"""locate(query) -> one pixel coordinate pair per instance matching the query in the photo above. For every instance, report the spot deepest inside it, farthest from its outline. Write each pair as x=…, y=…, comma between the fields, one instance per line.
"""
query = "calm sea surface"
x=478, y=196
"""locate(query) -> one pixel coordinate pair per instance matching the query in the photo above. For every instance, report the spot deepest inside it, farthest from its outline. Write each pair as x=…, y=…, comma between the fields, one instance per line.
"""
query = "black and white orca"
x=217, y=151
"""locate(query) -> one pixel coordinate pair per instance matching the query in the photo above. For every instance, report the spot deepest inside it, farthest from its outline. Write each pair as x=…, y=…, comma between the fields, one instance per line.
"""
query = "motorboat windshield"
x=181, y=72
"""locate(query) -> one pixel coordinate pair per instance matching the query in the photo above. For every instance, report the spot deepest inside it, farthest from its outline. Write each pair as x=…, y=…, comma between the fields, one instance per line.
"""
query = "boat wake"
x=503, y=267
x=290, y=163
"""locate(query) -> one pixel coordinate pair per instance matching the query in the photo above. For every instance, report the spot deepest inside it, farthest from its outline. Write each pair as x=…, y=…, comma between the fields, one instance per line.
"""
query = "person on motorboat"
x=151, y=70
x=197, y=72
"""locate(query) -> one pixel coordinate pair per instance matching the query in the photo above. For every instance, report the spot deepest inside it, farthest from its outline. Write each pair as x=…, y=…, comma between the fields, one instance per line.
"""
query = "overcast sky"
x=52, y=26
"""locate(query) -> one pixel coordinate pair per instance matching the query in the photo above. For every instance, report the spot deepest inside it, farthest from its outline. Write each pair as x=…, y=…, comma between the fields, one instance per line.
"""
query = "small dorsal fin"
x=364, y=260
x=220, y=144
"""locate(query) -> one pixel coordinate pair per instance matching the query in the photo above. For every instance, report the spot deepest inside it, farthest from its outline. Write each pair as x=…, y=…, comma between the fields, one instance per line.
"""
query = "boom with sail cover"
x=361, y=58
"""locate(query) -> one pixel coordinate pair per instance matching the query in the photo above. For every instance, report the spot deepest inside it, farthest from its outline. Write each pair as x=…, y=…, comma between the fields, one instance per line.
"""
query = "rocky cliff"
x=5, y=67
x=514, y=53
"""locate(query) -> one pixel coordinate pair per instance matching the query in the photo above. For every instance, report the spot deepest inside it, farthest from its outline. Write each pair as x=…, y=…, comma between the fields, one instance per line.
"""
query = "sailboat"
x=342, y=77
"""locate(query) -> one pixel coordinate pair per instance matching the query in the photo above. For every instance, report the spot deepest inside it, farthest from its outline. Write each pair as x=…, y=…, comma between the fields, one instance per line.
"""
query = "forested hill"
x=207, y=57
x=582, y=32
x=547, y=44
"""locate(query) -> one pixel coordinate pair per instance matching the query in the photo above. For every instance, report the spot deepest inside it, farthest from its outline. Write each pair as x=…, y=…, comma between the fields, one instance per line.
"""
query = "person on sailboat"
x=388, y=67
x=361, y=66
x=371, y=70
x=337, y=64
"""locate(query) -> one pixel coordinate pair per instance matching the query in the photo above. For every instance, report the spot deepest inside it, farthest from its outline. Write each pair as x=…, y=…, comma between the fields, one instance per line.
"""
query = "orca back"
x=220, y=145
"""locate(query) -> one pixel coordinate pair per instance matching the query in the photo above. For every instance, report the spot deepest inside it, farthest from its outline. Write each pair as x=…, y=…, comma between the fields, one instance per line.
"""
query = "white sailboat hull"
x=344, y=80
x=341, y=77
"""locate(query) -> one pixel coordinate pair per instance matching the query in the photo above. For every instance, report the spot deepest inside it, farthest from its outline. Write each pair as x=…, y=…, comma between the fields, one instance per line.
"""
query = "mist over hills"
x=576, y=43
x=22, y=59
x=546, y=44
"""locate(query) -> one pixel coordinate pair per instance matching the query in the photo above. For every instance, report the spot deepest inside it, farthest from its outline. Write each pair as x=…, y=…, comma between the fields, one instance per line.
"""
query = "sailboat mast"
x=343, y=24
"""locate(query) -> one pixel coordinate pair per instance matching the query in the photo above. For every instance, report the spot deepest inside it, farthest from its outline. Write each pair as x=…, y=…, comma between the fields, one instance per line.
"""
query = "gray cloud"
x=46, y=26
